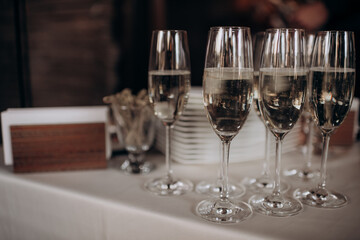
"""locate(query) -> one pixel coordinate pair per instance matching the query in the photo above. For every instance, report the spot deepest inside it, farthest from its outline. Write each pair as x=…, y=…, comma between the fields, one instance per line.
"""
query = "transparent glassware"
x=213, y=187
x=169, y=87
x=283, y=77
x=307, y=172
x=264, y=182
x=227, y=92
x=332, y=84
x=136, y=129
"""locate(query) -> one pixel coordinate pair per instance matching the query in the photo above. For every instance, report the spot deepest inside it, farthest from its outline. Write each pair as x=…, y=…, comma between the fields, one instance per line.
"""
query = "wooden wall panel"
x=9, y=72
x=71, y=54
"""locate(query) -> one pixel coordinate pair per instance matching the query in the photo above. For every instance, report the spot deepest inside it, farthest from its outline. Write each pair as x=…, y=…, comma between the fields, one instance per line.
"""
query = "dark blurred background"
x=74, y=52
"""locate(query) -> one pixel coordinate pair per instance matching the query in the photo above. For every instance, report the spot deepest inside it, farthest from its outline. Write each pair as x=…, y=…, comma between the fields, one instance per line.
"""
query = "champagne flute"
x=169, y=87
x=332, y=82
x=306, y=172
x=227, y=92
x=265, y=182
x=283, y=76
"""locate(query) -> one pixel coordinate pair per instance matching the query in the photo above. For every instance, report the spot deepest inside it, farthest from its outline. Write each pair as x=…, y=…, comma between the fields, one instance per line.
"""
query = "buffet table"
x=107, y=204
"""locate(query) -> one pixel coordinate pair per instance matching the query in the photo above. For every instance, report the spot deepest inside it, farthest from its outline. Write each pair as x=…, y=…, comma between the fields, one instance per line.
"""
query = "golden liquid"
x=282, y=98
x=227, y=99
x=169, y=91
x=331, y=96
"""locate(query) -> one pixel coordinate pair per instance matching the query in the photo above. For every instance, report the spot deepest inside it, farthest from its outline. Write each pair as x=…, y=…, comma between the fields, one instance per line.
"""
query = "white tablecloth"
x=107, y=204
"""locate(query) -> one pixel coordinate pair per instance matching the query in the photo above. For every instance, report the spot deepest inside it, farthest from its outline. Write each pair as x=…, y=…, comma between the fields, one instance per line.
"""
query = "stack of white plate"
x=194, y=141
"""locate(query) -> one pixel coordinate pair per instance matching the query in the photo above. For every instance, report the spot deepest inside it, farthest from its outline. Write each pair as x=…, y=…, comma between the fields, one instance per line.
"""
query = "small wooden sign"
x=58, y=147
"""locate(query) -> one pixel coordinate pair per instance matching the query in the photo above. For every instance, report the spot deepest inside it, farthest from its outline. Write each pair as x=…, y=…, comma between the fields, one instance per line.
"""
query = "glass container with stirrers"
x=135, y=128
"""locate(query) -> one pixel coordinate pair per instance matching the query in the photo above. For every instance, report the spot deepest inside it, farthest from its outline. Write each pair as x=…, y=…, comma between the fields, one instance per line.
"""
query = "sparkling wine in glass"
x=283, y=77
x=169, y=87
x=264, y=182
x=332, y=84
x=227, y=92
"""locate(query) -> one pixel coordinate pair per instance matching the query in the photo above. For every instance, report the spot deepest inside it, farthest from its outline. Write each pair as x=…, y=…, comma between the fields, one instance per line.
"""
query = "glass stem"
x=309, y=145
x=266, y=163
x=168, y=151
x=276, y=190
x=326, y=140
x=224, y=193
x=219, y=179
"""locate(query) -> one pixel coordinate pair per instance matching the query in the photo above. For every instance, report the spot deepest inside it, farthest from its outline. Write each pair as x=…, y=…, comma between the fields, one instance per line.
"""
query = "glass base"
x=166, y=186
x=213, y=189
x=137, y=167
x=223, y=211
x=302, y=174
x=263, y=184
x=321, y=197
x=277, y=206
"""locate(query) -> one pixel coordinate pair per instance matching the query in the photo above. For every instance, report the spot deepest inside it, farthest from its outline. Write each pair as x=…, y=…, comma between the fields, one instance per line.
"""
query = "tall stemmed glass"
x=169, y=87
x=283, y=76
x=332, y=79
x=307, y=171
x=264, y=182
x=227, y=91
